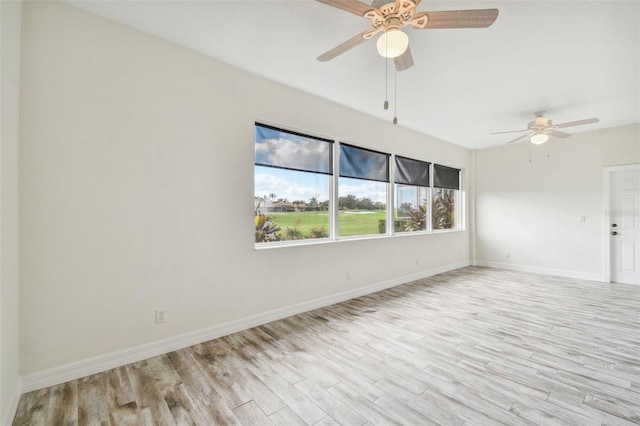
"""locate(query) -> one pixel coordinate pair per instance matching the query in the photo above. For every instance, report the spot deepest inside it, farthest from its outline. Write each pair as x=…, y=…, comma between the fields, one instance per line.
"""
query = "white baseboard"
x=543, y=271
x=76, y=370
x=13, y=406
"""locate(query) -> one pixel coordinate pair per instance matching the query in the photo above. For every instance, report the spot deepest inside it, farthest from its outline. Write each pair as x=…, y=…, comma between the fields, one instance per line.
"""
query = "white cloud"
x=376, y=191
x=293, y=185
x=289, y=184
x=300, y=154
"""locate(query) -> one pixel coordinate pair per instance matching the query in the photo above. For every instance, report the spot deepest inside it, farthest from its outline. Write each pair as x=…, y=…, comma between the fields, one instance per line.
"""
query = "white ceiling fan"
x=541, y=128
x=389, y=17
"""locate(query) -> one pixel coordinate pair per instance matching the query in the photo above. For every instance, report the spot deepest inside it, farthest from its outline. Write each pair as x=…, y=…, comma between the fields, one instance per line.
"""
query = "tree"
x=365, y=203
x=380, y=206
x=313, y=202
x=349, y=202
x=405, y=207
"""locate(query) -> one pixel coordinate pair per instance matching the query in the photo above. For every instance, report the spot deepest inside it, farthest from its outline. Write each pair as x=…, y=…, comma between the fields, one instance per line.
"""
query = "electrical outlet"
x=507, y=254
x=348, y=275
x=161, y=316
x=417, y=261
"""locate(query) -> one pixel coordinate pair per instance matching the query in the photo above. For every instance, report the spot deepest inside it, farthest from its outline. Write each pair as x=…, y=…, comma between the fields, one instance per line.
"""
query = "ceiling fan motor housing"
x=539, y=124
x=390, y=17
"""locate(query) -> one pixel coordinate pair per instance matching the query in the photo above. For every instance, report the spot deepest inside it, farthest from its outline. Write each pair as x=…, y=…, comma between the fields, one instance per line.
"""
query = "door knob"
x=614, y=233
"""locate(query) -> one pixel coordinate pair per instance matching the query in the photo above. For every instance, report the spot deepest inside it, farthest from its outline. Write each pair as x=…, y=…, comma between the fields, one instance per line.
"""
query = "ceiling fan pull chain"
x=395, y=96
x=386, y=84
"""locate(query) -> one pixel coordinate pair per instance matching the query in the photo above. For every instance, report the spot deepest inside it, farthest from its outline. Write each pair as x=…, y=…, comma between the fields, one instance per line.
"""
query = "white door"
x=624, y=226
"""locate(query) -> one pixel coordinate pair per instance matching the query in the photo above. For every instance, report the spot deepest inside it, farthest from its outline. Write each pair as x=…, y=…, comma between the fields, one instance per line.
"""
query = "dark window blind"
x=284, y=149
x=412, y=172
x=446, y=177
x=360, y=163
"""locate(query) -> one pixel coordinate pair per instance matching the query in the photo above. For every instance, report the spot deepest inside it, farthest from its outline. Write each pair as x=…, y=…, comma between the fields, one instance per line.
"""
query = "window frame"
x=387, y=183
x=460, y=224
x=429, y=188
x=391, y=193
x=331, y=176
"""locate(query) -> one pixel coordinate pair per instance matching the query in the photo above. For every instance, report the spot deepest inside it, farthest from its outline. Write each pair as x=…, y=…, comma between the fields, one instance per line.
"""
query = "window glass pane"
x=363, y=164
x=412, y=172
x=290, y=205
x=279, y=148
x=443, y=210
x=411, y=208
x=362, y=207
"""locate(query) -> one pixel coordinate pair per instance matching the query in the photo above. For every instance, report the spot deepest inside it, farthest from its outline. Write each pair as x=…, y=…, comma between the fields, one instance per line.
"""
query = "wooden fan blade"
x=577, y=123
x=353, y=6
x=349, y=44
x=559, y=134
x=509, y=131
x=404, y=61
x=519, y=138
x=479, y=18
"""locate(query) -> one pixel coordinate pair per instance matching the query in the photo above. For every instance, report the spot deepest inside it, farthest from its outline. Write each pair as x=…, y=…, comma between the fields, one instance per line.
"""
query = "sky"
x=293, y=185
x=283, y=149
x=277, y=152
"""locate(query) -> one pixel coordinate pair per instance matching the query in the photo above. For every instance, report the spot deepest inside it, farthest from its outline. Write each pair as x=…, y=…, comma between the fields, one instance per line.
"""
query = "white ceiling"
x=574, y=59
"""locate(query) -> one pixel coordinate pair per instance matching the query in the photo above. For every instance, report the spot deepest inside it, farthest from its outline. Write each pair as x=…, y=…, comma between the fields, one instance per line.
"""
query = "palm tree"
x=313, y=202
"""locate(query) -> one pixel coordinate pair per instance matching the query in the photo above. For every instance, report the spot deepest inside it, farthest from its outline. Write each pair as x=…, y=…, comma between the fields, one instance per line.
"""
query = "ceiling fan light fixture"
x=539, y=138
x=392, y=43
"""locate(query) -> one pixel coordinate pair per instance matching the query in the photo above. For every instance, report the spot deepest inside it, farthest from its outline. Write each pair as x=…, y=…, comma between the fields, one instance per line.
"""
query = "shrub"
x=266, y=229
x=318, y=232
x=416, y=219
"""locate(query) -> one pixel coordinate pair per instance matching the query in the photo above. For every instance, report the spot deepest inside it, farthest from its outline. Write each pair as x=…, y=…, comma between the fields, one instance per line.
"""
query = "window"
x=362, y=201
x=299, y=197
x=412, y=193
x=446, y=198
x=292, y=185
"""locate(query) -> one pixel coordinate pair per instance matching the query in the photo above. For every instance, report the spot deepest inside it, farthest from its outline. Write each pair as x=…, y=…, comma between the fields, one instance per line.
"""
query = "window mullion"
x=430, y=194
x=334, y=205
x=391, y=221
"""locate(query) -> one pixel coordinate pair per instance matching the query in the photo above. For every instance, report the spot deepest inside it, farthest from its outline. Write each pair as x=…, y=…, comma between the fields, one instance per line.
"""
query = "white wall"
x=532, y=209
x=136, y=179
x=10, y=17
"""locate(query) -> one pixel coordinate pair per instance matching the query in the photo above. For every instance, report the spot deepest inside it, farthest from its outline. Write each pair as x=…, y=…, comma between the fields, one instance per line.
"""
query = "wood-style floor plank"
x=476, y=346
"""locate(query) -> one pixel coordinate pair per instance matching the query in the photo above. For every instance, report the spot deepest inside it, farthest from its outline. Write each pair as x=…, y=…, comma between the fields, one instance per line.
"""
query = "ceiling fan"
x=541, y=128
x=390, y=16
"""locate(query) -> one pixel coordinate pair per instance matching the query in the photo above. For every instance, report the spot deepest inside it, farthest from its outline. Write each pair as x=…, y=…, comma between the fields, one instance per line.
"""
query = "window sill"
x=319, y=241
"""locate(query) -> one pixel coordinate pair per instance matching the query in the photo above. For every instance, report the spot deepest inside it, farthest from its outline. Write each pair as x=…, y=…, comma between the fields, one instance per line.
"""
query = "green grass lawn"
x=359, y=222
x=349, y=222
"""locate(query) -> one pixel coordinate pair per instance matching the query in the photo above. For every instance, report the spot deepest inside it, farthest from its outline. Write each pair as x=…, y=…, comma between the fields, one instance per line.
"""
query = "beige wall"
x=136, y=178
x=532, y=209
x=10, y=17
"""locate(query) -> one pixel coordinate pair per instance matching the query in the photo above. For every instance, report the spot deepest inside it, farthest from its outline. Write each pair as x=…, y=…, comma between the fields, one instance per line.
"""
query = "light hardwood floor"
x=476, y=346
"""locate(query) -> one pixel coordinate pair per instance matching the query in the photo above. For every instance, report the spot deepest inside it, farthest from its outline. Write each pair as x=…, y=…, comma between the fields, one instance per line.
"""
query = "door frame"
x=606, y=229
